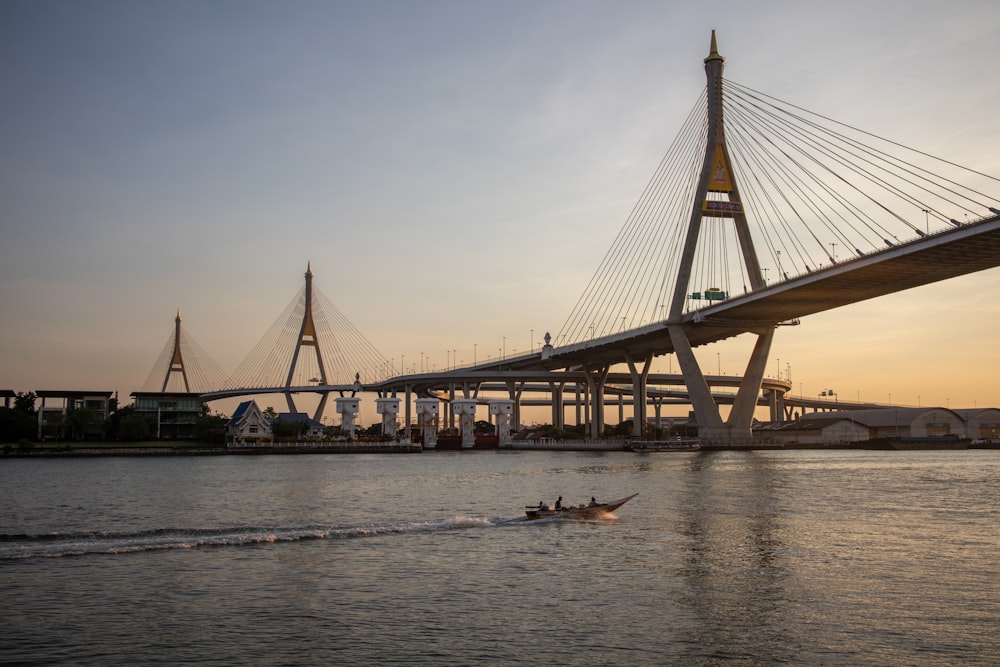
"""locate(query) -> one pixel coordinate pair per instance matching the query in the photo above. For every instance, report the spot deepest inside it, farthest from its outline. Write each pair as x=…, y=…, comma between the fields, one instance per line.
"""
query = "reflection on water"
x=724, y=557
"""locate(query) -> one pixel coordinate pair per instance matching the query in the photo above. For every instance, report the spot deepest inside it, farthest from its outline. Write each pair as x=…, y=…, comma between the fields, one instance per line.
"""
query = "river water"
x=737, y=558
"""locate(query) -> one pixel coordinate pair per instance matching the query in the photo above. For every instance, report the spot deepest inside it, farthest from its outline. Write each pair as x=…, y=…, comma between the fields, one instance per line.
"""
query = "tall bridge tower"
x=717, y=201
x=308, y=337
x=176, y=364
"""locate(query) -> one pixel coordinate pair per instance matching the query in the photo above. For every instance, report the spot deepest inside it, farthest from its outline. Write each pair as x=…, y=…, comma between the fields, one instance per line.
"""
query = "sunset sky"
x=454, y=172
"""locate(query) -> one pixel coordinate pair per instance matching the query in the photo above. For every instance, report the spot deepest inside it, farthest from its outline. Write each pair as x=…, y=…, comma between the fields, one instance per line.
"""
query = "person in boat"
x=593, y=502
x=542, y=506
x=559, y=503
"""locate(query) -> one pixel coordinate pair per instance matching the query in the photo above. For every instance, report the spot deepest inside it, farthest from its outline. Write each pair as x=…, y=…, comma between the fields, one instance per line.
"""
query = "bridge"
x=690, y=267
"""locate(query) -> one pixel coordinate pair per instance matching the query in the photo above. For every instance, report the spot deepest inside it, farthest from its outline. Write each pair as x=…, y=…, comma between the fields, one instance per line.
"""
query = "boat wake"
x=57, y=545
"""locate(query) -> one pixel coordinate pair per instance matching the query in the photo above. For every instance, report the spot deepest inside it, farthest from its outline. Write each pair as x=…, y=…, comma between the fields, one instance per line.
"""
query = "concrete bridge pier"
x=503, y=411
x=348, y=408
x=427, y=419
x=389, y=409
x=639, y=392
x=515, y=390
x=705, y=408
x=465, y=408
x=741, y=416
x=597, y=379
x=558, y=414
x=737, y=428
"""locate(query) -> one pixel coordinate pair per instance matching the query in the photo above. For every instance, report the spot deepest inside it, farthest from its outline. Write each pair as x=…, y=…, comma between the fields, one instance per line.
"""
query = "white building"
x=248, y=427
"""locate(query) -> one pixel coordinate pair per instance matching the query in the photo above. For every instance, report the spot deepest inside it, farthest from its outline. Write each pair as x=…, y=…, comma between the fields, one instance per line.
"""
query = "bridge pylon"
x=308, y=337
x=176, y=364
x=718, y=199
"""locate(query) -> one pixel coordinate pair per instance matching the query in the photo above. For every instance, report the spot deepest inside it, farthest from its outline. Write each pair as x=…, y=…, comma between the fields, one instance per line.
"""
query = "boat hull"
x=579, y=512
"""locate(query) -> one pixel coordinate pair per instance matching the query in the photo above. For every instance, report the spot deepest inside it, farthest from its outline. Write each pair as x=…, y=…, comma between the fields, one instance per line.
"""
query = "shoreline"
x=397, y=448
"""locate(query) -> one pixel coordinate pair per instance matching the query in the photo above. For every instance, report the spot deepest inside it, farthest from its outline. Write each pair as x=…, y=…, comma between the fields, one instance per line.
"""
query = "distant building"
x=807, y=431
x=172, y=415
x=248, y=427
x=73, y=415
x=902, y=422
x=982, y=423
x=844, y=426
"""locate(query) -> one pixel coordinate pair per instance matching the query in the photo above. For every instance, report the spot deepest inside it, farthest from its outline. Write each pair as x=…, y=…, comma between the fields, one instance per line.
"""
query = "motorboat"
x=589, y=511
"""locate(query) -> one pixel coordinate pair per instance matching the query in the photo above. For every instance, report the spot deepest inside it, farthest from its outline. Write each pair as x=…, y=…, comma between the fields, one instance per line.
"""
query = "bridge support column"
x=515, y=390
x=465, y=408
x=348, y=408
x=558, y=407
x=779, y=402
x=579, y=419
x=503, y=411
x=776, y=404
x=389, y=409
x=427, y=419
x=639, y=391
x=449, y=413
x=741, y=416
x=710, y=426
x=318, y=414
x=596, y=381
x=408, y=418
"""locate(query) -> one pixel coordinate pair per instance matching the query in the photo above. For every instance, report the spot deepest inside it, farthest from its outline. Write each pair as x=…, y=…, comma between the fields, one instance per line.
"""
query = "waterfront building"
x=981, y=423
x=248, y=427
x=172, y=415
x=828, y=430
x=73, y=415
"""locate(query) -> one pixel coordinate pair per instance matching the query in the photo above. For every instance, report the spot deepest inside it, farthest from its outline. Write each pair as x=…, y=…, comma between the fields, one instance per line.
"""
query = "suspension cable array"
x=345, y=350
x=816, y=192
x=200, y=373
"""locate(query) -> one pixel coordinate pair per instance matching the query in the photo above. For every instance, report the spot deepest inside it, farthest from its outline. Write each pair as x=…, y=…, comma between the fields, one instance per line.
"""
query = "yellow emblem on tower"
x=718, y=178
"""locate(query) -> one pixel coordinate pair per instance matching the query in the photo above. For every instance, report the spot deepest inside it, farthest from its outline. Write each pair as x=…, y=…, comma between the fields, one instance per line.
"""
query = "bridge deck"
x=967, y=249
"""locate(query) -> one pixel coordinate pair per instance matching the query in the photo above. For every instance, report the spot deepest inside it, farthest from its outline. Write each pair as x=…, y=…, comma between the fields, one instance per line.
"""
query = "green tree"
x=80, y=422
x=25, y=402
x=269, y=413
x=133, y=427
x=287, y=429
x=211, y=429
x=15, y=425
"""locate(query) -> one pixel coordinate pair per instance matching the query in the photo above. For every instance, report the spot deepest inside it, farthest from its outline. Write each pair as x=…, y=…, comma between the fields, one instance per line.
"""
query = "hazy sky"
x=453, y=170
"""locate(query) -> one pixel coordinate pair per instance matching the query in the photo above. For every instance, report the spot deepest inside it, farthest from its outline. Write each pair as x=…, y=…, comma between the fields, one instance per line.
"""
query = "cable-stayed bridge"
x=759, y=213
